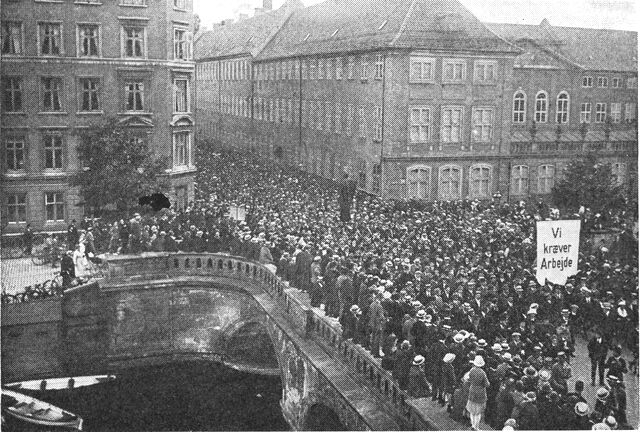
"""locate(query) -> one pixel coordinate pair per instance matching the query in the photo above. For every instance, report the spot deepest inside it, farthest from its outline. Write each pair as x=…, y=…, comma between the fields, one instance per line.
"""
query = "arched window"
x=519, y=107
x=541, y=107
x=562, y=108
x=450, y=182
x=418, y=182
x=520, y=180
x=480, y=181
x=546, y=174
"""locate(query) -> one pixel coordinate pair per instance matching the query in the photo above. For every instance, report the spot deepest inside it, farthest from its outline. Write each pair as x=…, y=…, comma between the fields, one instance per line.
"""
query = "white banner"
x=558, y=243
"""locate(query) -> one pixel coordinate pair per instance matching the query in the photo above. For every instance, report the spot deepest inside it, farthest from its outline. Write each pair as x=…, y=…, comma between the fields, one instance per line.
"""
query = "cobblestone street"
x=20, y=272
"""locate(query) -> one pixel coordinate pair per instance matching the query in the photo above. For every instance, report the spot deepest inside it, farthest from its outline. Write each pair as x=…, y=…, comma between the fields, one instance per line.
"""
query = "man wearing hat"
x=560, y=374
x=605, y=402
x=526, y=414
x=419, y=331
x=349, y=322
x=619, y=396
x=597, y=348
x=581, y=420
x=616, y=365
x=67, y=269
x=447, y=382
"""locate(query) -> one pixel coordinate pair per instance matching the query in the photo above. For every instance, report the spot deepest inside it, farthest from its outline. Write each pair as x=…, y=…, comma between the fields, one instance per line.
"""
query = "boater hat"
x=418, y=360
x=581, y=409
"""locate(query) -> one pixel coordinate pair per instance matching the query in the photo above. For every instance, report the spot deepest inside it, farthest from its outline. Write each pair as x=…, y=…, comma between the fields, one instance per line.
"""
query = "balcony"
x=572, y=142
x=436, y=148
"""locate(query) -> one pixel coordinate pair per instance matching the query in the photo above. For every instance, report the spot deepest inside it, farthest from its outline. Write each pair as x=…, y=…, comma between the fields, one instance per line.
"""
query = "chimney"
x=267, y=5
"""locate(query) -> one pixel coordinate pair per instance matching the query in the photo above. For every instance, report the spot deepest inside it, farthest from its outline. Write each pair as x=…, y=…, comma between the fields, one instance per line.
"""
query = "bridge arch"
x=249, y=345
x=320, y=417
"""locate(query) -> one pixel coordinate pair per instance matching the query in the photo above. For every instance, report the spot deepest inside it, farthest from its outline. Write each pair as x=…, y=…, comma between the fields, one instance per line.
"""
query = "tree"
x=589, y=183
x=117, y=168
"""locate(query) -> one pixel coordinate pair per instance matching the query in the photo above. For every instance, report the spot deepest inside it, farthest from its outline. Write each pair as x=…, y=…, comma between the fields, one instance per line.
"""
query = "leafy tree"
x=589, y=183
x=116, y=168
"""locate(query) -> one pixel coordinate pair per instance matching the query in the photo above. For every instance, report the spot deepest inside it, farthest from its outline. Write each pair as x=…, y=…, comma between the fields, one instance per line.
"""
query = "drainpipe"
x=384, y=86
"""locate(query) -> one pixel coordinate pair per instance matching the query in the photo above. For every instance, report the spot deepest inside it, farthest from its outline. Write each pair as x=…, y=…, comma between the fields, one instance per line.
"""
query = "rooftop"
x=593, y=49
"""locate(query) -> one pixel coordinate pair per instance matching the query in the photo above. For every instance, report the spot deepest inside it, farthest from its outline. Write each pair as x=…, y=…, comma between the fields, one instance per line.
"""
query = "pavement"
x=18, y=273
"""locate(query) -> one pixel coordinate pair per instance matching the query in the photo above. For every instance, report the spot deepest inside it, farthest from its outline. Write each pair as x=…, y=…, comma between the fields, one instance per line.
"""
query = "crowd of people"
x=444, y=293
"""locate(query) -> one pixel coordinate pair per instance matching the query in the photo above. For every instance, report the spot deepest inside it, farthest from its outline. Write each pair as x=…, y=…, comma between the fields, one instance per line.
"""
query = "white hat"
x=478, y=361
x=506, y=356
x=449, y=357
x=418, y=360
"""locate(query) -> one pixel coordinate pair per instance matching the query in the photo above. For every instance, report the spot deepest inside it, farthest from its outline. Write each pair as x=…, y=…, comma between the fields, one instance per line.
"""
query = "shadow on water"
x=179, y=396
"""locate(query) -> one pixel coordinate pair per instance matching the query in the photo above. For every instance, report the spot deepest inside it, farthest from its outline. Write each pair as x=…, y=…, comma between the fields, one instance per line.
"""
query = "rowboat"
x=60, y=383
x=35, y=411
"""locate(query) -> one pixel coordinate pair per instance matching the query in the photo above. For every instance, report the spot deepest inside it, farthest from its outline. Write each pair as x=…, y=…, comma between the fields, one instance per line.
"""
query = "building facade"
x=574, y=91
x=413, y=101
x=70, y=64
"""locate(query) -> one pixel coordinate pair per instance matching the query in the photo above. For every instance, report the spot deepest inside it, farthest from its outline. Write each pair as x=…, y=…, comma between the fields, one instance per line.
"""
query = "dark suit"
x=67, y=270
x=598, y=355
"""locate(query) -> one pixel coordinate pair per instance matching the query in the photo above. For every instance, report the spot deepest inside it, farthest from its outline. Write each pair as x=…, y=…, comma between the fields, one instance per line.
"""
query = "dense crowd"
x=445, y=293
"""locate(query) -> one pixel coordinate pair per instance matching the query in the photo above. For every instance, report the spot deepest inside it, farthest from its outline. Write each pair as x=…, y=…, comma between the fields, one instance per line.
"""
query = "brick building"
x=413, y=100
x=68, y=64
x=574, y=90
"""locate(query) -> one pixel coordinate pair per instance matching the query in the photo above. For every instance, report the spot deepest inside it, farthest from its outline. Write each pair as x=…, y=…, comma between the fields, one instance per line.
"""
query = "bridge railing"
x=304, y=318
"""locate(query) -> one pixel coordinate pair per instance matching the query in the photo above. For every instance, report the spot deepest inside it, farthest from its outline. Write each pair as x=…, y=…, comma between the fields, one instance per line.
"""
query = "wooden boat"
x=60, y=383
x=35, y=411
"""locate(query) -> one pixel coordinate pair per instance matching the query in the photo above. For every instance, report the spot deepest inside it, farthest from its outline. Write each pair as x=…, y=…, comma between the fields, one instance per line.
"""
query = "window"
x=519, y=107
x=339, y=68
x=134, y=96
x=180, y=4
x=364, y=68
x=182, y=149
x=418, y=182
x=181, y=95
x=520, y=180
x=545, y=178
x=484, y=71
x=319, y=117
x=376, y=183
x=616, y=82
x=379, y=72
x=541, y=107
x=313, y=67
x=630, y=112
x=450, y=187
x=603, y=82
x=338, y=120
x=419, y=124
x=17, y=208
x=14, y=153
x=482, y=124
x=480, y=181
x=12, y=97
x=454, y=71
x=587, y=81
x=619, y=170
x=422, y=69
x=632, y=83
x=88, y=40
x=89, y=88
x=351, y=68
x=616, y=112
x=50, y=38
x=133, y=2
x=53, y=151
x=54, y=206
x=12, y=37
x=378, y=124
x=182, y=44
x=327, y=116
x=361, y=123
x=451, y=125
x=134, y=45
x=350, y=114
x=562, y=108
x=585, y=112
x=51, y=88
x=601, y=112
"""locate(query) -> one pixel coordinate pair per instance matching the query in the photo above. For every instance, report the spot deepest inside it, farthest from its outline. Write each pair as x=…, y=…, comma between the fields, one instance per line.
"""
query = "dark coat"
x=418, y=386
x=528, y=416
x=401, y=366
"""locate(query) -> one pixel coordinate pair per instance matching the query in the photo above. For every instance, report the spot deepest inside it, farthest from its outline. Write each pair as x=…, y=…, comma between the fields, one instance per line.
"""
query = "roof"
x=245, y=37
x=338, y=26
x=593, y=49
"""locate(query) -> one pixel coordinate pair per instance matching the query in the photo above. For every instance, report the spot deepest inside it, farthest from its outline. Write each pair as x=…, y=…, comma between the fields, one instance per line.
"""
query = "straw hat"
x=449, y=357
x=478, y=361
x=581, y=409
x=418, y=360
x=602, y=394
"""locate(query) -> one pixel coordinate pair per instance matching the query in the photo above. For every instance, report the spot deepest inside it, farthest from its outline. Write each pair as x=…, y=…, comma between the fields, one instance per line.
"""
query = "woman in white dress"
x=80, y=261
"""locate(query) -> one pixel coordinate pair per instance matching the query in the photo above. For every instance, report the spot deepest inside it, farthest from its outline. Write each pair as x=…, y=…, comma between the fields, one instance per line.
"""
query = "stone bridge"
x=160, y=308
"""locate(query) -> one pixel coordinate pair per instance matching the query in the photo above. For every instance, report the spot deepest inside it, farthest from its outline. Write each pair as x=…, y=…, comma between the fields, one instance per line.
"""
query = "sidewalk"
x=16, y=274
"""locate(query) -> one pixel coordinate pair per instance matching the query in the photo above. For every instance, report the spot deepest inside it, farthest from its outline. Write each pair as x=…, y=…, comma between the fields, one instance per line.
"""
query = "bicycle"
x=46, y=255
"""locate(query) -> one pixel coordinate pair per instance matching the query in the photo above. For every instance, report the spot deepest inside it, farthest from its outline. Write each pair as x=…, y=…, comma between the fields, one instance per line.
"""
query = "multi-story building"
x=574, y=90
x=69, y=64
x=412, y=98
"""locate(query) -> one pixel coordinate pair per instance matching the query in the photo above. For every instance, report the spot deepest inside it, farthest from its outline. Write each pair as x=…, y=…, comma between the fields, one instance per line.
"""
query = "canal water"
x=173, y=397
